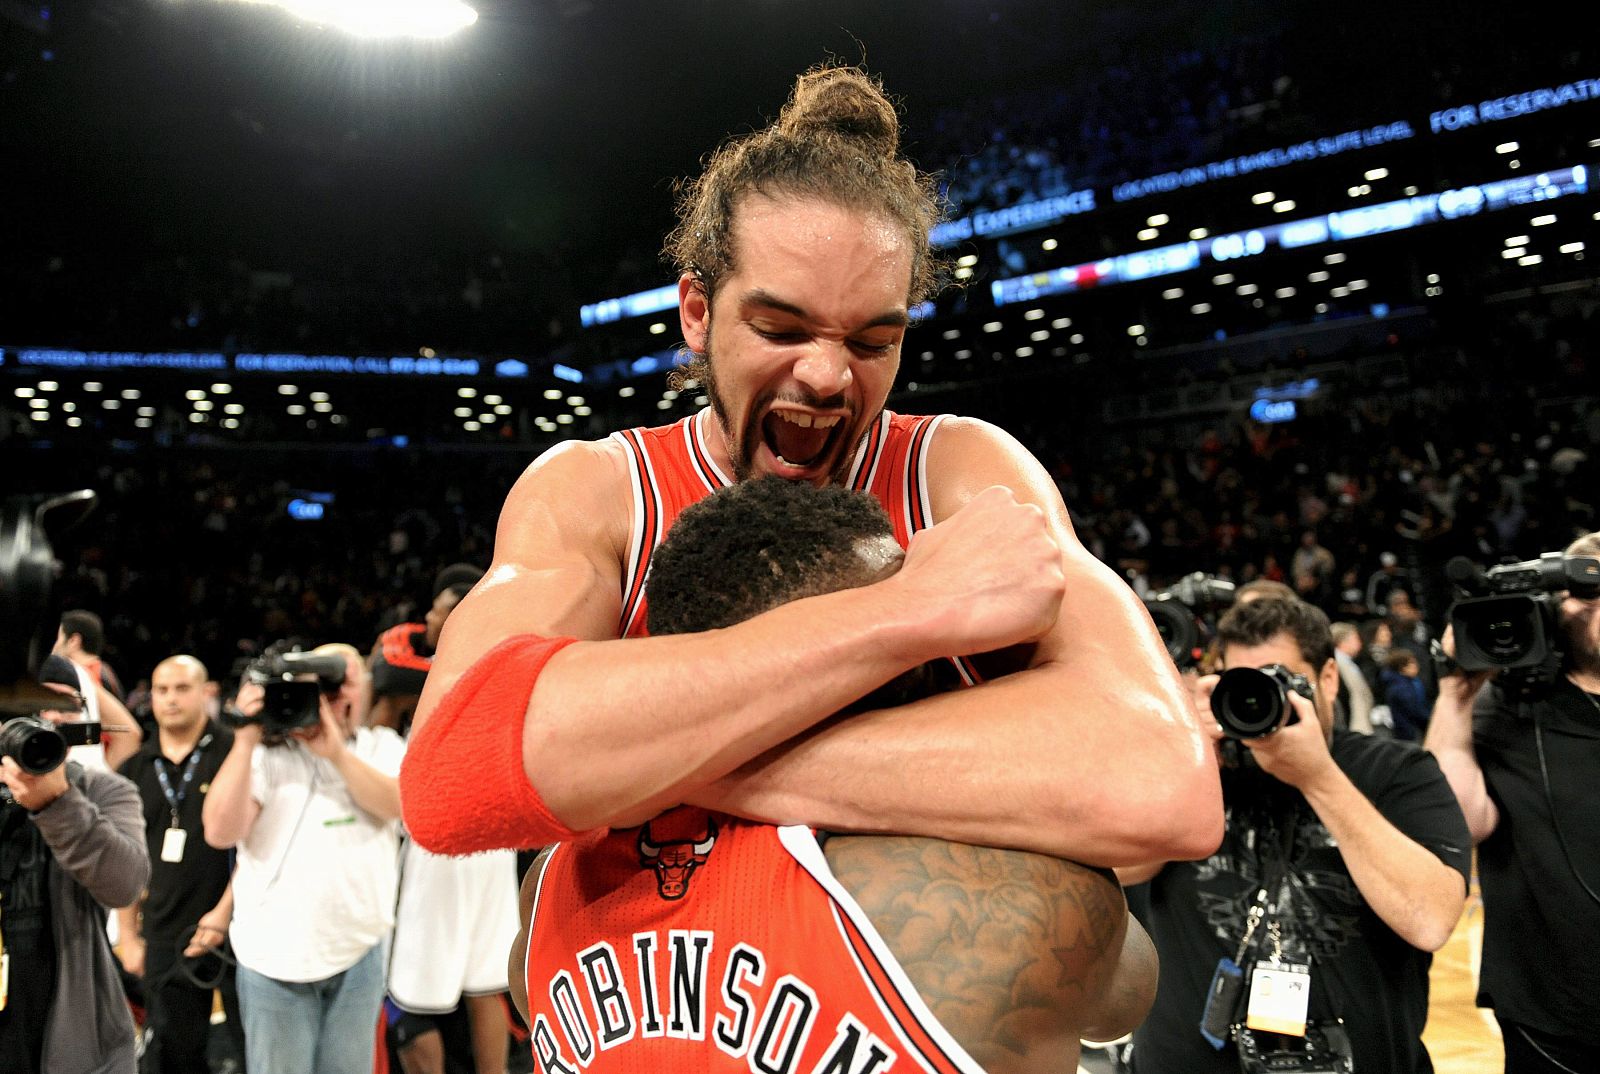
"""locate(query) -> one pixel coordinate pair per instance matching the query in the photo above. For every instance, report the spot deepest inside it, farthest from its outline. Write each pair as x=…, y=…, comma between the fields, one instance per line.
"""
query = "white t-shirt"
x=89, y=756
x=315, y=884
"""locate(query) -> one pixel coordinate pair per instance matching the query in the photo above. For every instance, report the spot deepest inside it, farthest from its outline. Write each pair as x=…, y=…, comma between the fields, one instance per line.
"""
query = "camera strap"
x=1280, y=991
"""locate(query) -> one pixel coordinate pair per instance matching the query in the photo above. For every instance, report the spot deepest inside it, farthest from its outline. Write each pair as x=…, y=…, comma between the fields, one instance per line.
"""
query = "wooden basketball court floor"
x=1461, y=1038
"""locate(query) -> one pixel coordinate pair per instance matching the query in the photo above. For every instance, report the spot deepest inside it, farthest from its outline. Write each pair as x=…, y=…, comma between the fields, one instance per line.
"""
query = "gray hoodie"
x=95, y=833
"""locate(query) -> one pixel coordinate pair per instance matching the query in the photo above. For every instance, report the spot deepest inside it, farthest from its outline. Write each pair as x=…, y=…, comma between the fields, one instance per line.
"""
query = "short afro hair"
x=758, y=544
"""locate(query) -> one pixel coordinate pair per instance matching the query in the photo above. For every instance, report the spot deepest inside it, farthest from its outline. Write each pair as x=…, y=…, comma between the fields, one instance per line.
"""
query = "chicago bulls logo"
x=675, y=861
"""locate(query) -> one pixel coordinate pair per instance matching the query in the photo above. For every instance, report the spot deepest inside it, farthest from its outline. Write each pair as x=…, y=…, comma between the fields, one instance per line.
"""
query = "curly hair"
x=837, y=139
x=755, y=545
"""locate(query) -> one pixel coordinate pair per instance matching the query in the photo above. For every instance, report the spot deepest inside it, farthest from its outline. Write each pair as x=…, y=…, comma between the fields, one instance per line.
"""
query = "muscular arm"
x=1089, y=754
x=1017, y=954
x=669, y=715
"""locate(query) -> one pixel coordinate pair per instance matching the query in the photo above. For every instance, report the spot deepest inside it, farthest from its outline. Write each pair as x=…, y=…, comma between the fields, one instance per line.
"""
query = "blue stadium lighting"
x=398, y=365
x=1029, y=216
x=511, y=367
x=51, y=358
x=635, y=305
x=1349, y=224
x=1272, y=412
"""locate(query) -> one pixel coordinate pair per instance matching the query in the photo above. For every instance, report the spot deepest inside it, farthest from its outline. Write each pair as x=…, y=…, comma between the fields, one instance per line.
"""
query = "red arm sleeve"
x=463, y=788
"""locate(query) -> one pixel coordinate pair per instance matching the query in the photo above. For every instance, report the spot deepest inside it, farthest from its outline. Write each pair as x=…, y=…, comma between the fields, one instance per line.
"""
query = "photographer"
x=313, y=810
x=1523, y=770
x=71, y=846
x=1343, y=865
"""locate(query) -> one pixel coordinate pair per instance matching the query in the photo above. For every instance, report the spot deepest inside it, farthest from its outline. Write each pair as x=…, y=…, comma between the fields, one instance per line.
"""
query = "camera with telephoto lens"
x=1252, y=702
x=293, y=684
x=1184, y=613
x=1508, y=620
x=39, y=746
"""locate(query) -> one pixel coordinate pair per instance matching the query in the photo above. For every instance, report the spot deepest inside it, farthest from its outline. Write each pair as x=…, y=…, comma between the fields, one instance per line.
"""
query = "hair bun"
x=847, y=101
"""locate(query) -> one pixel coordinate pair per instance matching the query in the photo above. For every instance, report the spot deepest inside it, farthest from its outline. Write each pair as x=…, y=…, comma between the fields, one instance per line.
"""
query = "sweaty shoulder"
x=576, y=493
x=968, y=455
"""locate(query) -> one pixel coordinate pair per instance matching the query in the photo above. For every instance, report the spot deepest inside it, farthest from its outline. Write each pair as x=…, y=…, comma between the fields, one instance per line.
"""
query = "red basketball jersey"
x=671, y=467
x=706, y=943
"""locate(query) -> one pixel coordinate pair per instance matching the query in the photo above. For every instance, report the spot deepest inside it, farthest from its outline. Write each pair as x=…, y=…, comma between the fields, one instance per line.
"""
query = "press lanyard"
x=175, y=798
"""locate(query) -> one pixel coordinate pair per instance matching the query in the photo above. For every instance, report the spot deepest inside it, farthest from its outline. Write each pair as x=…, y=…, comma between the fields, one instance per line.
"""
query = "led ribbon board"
x=315, y=364
x=1032, y=215
x=1356, y=223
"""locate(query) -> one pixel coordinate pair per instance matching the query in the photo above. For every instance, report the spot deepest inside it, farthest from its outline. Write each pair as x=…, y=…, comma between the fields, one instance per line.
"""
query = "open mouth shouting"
x=799, y=445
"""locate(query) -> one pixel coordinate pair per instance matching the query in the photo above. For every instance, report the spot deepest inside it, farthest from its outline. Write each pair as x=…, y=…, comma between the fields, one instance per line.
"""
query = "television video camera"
x=293, y=684
x=1507, y=617
x=1184, y=613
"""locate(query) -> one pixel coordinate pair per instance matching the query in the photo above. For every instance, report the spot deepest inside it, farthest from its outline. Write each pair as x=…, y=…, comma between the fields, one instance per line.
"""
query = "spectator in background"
x=81, y=638
x=71, y=847
x=1383, y=581
x=185, y=911
x=1312, y=570
x=401, y=656
x=123, y=736
x=1412, y=634
x=314, y=815
x=1405, y=696
x=1354, y=692
x=1376, y=640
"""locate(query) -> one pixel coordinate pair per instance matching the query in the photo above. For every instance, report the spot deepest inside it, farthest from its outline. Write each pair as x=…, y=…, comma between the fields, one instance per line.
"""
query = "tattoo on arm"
x=1013, y=952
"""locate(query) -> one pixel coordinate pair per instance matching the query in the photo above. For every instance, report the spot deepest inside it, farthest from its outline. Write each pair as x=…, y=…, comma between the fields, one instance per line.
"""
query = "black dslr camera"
x=1507, y=618
x=293, y=684
x=1185, y=614
x=39, y=746
x=1252, y=702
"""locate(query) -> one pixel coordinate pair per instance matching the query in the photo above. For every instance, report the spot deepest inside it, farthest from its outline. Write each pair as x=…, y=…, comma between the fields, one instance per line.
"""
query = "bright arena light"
x=382, y=18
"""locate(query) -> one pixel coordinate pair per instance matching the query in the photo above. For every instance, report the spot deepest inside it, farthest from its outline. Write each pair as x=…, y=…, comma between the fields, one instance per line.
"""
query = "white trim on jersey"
x=921, y=465
x=699, y=426
x=801, y=842
x=636, y=537
x=880, y=432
